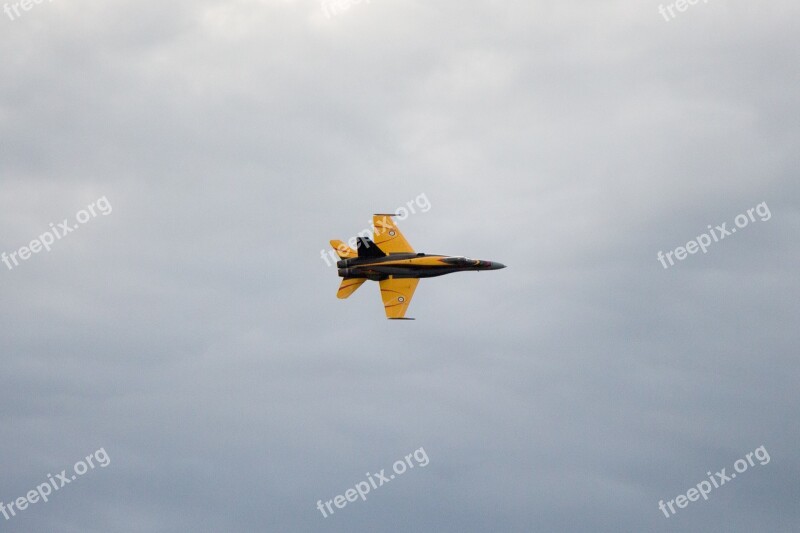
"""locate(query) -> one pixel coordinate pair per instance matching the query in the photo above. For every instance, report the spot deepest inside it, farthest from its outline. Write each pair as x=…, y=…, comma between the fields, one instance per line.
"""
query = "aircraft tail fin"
x=344, y=251
x=368, y=249
x=349, y=286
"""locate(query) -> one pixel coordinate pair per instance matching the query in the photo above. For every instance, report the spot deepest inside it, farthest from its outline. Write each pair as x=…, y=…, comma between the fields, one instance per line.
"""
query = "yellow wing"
x=397, y=294
x=388, y=237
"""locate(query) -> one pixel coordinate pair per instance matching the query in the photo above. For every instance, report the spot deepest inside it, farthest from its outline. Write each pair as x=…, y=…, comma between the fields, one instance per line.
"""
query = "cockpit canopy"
x=461, y=261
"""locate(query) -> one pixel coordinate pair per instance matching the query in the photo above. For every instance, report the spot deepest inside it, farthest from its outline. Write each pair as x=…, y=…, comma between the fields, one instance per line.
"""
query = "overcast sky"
x=191, y=330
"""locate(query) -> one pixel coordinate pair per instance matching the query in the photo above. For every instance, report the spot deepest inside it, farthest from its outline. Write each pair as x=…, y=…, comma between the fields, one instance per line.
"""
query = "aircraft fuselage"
x=410, y=265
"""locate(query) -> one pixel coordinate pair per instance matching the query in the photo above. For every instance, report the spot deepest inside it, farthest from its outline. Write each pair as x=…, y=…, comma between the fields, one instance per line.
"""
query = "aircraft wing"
x=397, y=294
x=388, y=236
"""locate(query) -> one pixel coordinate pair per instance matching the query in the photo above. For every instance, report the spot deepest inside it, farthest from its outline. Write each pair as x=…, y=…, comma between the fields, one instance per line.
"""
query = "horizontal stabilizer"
x=349, y=286
x=344, y=251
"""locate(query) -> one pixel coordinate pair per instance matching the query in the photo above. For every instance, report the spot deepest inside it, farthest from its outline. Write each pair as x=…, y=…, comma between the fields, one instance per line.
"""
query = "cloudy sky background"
x=194, y=332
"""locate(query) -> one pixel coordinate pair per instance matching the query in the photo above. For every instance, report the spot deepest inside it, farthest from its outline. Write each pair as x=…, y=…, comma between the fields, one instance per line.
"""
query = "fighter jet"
x=392, y=262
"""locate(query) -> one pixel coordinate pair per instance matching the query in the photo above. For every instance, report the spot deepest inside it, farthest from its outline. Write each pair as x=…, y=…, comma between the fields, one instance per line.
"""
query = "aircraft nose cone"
x=497, y=266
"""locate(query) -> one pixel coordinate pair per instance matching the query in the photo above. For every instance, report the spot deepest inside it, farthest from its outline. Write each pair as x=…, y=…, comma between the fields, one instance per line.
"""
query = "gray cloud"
x=194, y=332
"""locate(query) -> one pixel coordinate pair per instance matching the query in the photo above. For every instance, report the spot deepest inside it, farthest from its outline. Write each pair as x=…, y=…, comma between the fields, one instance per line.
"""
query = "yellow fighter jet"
x=392, y=262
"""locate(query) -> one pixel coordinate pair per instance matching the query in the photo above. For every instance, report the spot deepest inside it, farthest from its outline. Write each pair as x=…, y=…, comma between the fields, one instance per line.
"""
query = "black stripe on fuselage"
x=377, y=269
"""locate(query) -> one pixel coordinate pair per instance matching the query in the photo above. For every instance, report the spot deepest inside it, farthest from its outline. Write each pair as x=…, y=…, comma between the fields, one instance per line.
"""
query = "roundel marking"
x=391, y=233
x=401, y=299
